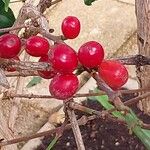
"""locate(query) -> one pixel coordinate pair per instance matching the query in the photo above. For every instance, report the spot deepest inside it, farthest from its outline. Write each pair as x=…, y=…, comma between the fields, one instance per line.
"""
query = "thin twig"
x=16, y=1
x=76, y=130
x=81, y=121
x=44, y=4
x=138, y=60
x=29, y=96
x=3, y=79
x=137, y=99
x=14, y=28
x=55, y=2
x=20, y=65
x=54, y=38
x=22, y=74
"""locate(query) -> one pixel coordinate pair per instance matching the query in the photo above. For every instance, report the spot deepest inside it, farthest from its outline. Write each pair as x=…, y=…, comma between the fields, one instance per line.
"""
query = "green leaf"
x=6, y=2
x=34, y=81
x=89, y=2
x=51, y=145
x=131, y=119
x=106, y=104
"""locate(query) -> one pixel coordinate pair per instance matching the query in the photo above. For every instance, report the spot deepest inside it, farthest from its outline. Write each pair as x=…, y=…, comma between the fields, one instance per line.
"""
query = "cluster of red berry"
x=64, y=60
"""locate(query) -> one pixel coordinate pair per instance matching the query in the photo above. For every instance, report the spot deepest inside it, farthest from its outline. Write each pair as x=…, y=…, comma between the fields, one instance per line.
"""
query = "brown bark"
x=143, y=32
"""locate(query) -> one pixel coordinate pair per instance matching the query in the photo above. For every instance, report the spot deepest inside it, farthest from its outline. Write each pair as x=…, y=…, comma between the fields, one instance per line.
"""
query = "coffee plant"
x=62, y=64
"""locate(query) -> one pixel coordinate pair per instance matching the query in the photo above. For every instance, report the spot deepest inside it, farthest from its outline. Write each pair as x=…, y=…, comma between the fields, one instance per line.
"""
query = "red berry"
x=10, y=69
x=46, y=74
x=70, y=27
x=113, y=73
x=64, y=86
x=37, y=46
x=10, y=45
x=91, y=54
x=63, y=58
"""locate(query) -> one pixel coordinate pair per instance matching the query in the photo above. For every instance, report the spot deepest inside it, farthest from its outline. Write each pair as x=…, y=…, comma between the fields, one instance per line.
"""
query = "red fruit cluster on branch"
x=64, y=60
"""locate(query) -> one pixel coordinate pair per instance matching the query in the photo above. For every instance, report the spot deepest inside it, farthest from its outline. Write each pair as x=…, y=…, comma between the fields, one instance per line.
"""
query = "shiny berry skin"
x=10, y=45
x=37, y=46
x=91, y=54
x=64, y=86
x=70, y=27
x=113, y=73
x=10, y=69
x=46, y=74
x=63, y=58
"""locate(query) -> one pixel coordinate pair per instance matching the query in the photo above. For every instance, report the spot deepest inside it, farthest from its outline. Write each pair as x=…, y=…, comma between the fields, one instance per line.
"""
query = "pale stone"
x=107, y=22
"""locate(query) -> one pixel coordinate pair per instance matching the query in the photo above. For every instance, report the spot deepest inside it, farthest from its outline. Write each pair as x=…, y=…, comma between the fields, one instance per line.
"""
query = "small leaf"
x=51, y=145
x=6, y=2
x=34, y=81
x=89, y=2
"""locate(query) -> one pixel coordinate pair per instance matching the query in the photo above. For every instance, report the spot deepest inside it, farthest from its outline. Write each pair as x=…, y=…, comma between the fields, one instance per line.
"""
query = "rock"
x=108, y=22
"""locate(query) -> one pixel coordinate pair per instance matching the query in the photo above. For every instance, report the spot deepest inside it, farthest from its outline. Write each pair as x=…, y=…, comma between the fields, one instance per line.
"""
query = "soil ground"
x=100, y=134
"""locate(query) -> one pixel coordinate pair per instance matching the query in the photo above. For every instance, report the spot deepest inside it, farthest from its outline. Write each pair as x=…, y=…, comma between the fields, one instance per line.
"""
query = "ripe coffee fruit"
x=10, y=45
x=70, y=27
x=91, y=54
x=46, y=74
x=37, y=46
x=113, y=73
x=63, y=58
x=64, y=86
x=11, y=69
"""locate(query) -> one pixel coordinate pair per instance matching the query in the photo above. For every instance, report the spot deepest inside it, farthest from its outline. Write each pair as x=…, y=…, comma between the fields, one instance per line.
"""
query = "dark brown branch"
x=54, y=38
x=101, y=114
x=137, y=99
x=29, y=96
x=14, y=28
x=44, y=4
x=55, y=2
x=138, y=60
x=113, y=95
x=76, y=130
x=104, y=87
x=3, y=79
x=20, y=65
x=17, y=1
x=21, y=74
x=146, y=126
